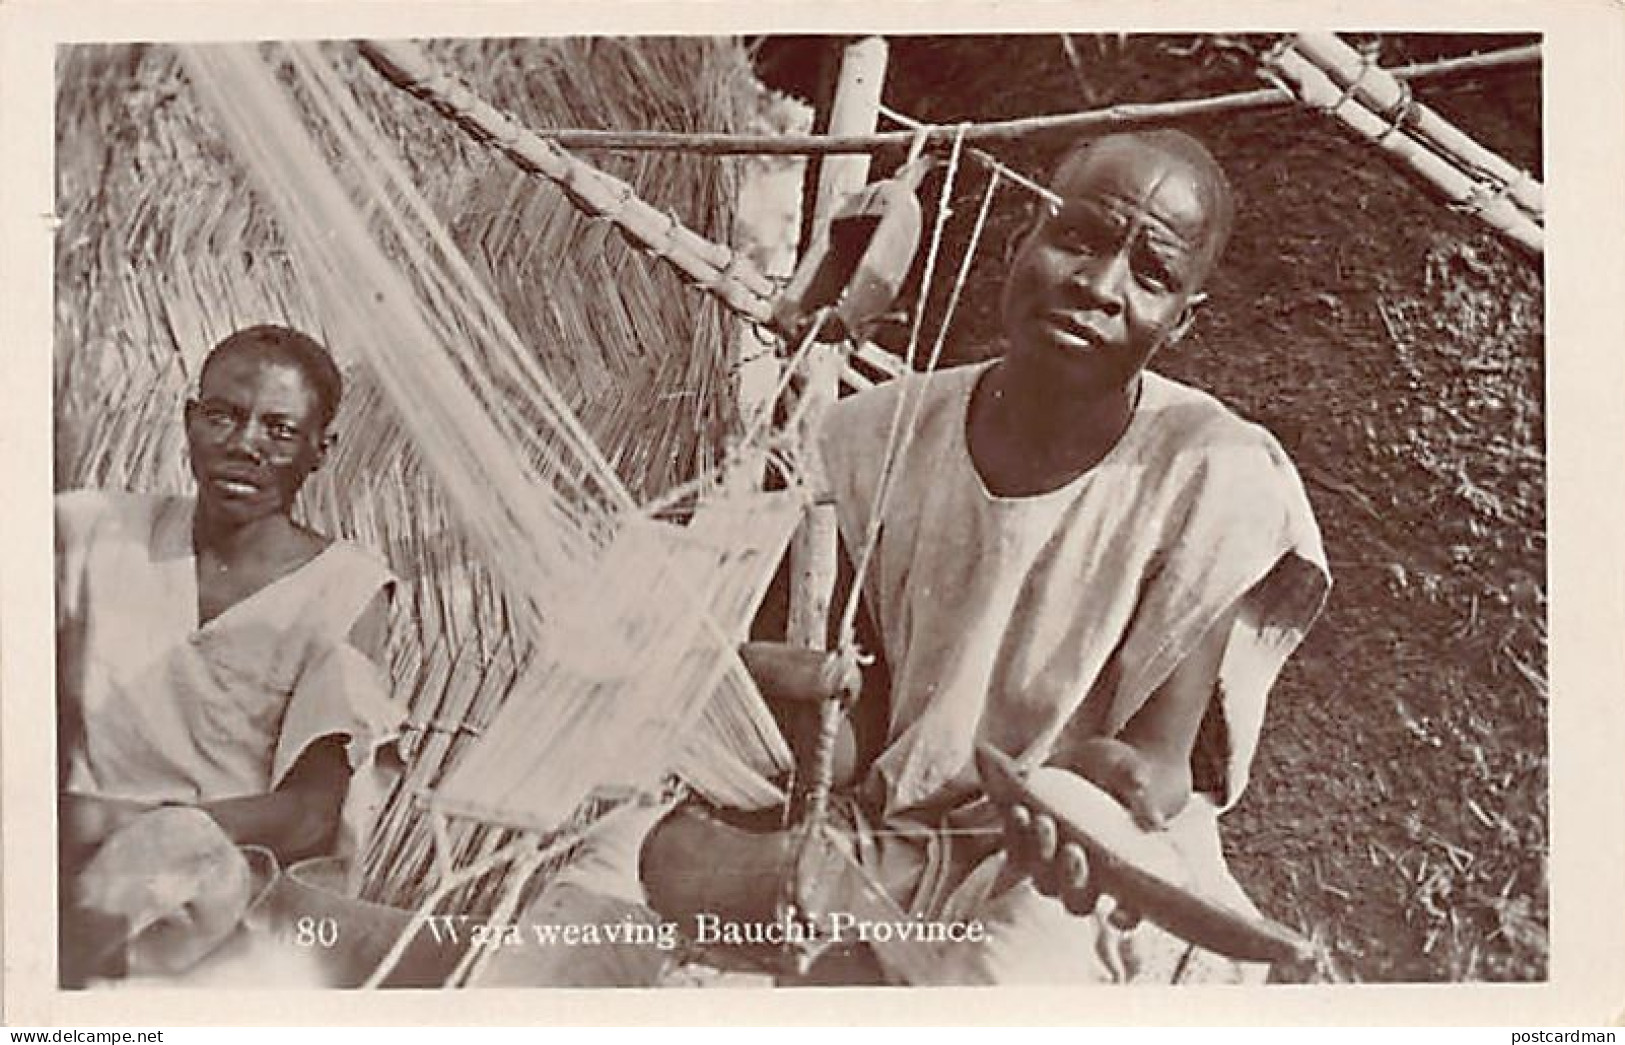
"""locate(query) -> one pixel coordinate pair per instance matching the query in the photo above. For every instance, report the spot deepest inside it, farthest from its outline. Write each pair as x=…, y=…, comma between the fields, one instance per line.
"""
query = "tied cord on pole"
x=910, y=399
x=814, y=821
x=982, y=156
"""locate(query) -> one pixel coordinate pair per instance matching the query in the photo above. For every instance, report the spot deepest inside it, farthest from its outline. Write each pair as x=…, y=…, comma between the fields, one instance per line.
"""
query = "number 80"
x=316, y=932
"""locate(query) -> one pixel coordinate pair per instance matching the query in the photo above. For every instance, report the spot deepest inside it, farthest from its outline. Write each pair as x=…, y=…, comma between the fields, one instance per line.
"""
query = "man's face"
x=1111, y=275
x=254, y=434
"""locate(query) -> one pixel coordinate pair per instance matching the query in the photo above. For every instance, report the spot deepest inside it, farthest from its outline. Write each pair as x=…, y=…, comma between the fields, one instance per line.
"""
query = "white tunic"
x=169, y=710
x=1026, y=622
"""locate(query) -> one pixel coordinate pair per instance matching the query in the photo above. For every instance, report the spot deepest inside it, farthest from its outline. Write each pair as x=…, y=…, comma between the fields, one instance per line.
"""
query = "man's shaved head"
x=1114, y=271
x=1207, y=177
x=283, y=345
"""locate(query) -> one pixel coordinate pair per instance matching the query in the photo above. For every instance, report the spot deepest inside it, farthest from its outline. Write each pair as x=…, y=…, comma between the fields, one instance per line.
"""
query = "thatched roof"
x=164, y=248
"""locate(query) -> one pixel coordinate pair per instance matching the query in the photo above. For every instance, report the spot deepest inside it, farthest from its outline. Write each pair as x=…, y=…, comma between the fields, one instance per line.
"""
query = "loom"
x=632, y=620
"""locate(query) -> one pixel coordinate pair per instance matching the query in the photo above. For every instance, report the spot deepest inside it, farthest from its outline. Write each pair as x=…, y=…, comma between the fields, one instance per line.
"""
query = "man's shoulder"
x=360, y=564
x=1198, y=419
x=861, y=432
x=1199, y=442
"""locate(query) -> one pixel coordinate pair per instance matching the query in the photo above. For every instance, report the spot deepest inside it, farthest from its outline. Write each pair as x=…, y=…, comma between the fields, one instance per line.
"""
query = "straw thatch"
x=163, y=250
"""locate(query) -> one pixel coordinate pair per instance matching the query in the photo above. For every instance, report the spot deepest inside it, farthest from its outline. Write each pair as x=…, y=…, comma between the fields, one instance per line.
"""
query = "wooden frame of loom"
x=709, y=267
x=1328, y=75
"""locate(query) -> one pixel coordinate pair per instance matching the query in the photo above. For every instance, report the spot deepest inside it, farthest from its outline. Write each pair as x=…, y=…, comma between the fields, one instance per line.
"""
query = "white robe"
x=1026, y=622
x=171, y=710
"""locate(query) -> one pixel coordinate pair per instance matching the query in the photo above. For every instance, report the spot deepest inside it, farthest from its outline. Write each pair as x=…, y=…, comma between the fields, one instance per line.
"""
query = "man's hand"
x=1053, y=818
x=1153, y=789
x=300, y=818
x=792, y=674
x=169, y=885
x=1039, y=847
x=796, y=683
x=86, y=821
x=1057, y=870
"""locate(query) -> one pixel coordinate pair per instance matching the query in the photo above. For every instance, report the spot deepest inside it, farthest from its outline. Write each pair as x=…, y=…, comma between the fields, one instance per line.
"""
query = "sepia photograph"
x=682, y=512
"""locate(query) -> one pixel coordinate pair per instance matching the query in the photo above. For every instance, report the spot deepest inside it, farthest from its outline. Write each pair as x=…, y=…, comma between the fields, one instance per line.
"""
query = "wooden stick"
x=880, y=359
x=711, y=266
x=519, y=873
x=1115, y=116
x=1316, y=89
x=769, y=186
x=856, y=108
x=1377, y=89
x=856, y=381
x=1140, y=868
x=426, y=909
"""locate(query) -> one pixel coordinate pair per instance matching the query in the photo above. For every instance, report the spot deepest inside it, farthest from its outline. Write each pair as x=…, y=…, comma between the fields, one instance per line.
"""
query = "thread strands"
x=378, y=315
x=591, y=687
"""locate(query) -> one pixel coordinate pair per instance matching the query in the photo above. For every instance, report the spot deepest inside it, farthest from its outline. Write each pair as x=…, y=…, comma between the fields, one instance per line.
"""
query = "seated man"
x=218, y=668
x=1086, y=565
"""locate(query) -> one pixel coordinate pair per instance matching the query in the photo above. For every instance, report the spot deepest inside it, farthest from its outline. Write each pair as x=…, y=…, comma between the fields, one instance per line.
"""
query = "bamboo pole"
x=709, y=265
x=1315, y=88
x=1378, y=90
x=1111, y=117
x=813, y=552
x=712, y=267
x=855, y=108
x=768, y=223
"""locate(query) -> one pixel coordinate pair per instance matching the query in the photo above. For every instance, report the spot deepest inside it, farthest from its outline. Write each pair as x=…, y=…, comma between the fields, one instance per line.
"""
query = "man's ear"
x=328, y=441
x=1187, y=317
x=1016, y=240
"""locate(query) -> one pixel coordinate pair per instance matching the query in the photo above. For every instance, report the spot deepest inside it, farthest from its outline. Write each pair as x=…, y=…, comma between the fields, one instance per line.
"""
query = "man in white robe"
x=1093, y=568
x=218, y=674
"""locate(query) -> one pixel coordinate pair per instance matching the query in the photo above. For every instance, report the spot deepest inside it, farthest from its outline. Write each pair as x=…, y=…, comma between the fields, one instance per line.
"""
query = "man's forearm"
x=292, y=823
